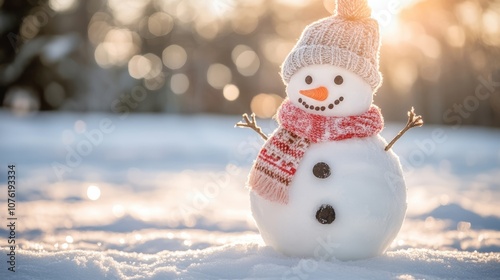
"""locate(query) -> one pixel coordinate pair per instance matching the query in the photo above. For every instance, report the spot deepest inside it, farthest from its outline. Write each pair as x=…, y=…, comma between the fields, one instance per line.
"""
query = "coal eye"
x=309, y=80
x=339, y=80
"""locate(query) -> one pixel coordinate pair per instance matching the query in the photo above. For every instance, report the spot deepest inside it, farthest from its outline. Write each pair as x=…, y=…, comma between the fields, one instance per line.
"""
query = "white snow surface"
x=171, y=202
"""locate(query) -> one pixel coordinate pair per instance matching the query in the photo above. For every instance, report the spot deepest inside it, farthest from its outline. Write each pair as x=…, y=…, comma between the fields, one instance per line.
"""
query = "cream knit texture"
x=349, y=39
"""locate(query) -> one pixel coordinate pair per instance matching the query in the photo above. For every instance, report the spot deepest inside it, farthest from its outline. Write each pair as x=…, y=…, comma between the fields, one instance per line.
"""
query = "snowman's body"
x=359, y=183
x=365, y=188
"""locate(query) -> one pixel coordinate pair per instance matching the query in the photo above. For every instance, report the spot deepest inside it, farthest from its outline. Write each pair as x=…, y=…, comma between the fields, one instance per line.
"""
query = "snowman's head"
x=329, y=90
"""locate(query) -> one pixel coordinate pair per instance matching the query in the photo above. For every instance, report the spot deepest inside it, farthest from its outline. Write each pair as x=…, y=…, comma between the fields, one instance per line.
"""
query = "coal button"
x=321, y=170
x=325, y=214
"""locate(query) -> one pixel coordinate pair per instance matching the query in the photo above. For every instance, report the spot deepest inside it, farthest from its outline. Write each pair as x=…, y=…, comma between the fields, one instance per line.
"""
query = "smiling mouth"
x=321, y=108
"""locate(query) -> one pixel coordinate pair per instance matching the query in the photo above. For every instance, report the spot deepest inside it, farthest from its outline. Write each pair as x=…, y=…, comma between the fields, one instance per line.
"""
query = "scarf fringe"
x=268, y=187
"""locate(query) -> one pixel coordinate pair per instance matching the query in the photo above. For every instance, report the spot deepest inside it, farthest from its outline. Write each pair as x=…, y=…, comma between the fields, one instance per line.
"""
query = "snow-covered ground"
x=163, y=197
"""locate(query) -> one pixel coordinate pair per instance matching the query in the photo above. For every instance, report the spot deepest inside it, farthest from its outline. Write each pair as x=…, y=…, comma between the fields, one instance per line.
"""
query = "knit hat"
x=348, y=38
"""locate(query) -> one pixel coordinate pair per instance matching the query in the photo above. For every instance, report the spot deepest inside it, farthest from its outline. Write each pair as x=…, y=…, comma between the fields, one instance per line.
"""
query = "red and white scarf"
x=279, y=158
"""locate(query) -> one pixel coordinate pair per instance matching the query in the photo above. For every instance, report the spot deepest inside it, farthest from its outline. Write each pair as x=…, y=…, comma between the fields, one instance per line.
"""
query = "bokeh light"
x=63, y=5
x=206, y=28
x=139, y=66
x=231, y=92
x=98, y=27
x=93, y=192
x=160, y=24
x=80, y=127
x=127, y=12
x=245, y=24
x=276, y=49
x=491, y=27
x=265, y=105
x=179, y=83
x=184, y=11
x=117, y=48
x=156, y=66
x=69, y=239
x=218, y=75
x=21, y=101
x=174, y=56
x=155, y=83
x=246, y=60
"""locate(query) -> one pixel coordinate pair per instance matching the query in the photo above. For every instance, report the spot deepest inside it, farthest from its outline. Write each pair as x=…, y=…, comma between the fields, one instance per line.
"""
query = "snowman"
x=326, y=184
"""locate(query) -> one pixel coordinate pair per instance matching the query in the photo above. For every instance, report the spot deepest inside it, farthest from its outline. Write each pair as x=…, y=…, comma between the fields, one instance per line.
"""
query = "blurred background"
x=172, y=176
x=223, y=56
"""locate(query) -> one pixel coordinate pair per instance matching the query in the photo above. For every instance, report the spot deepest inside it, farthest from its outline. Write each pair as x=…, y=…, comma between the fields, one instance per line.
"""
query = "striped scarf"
x=279, y=158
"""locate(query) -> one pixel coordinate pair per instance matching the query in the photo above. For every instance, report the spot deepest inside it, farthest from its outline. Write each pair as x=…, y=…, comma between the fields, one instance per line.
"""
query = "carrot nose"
x=320, y=93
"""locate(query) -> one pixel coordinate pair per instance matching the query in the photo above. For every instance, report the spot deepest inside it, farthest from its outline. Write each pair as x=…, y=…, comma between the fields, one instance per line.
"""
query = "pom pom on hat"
x=353, y=9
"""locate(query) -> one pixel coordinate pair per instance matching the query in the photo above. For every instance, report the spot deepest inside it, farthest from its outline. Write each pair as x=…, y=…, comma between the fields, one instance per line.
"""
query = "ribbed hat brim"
x=318, y=54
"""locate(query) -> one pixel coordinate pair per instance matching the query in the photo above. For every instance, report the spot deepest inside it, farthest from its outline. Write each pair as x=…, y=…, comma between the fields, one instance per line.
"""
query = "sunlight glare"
x=387, y=15
x=220, y=8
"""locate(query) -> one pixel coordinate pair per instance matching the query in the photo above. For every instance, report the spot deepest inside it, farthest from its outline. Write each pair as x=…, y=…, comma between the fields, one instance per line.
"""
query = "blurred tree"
x=223, y=56
x=11, y=15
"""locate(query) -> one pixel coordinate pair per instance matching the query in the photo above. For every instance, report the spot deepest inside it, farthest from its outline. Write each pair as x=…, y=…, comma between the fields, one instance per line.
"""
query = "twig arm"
x=251, y=124
x=413, y=121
